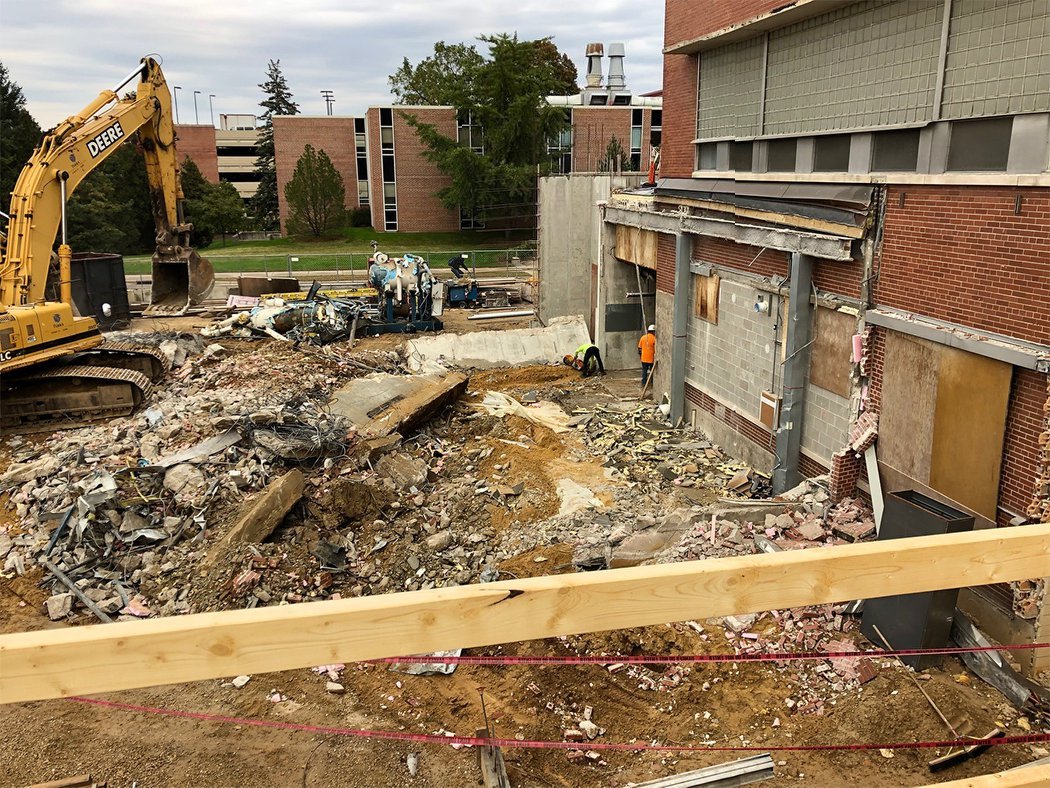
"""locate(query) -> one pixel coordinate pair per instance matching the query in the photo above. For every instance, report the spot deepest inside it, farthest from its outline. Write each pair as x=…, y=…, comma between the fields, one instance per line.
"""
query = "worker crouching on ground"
x=592, y=360
x=647, y=353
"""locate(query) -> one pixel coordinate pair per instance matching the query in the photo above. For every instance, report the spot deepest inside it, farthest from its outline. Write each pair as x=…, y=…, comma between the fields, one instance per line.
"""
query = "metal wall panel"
x=998, y=58
x=862, y=65
x=730, y=93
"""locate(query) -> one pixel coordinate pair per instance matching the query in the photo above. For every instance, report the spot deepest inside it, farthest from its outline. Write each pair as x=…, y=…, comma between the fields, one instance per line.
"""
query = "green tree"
x=315, y=195
x=446, y=77
x=278, y=101
x=195, y=190
x=505, y=95
x=97, y=221
x=223, y=209
x=19, y=134
x=560, y=66
x=615, y=158
x=126, y=171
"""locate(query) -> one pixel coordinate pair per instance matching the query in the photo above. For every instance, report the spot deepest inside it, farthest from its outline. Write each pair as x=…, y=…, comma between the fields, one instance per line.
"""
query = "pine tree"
x=278, y=101
x=505, y=94
x=19, y=134
x=315, y=195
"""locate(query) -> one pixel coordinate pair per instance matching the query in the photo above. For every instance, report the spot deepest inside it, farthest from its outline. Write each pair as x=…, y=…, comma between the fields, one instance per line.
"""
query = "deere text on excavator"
x=56, y=369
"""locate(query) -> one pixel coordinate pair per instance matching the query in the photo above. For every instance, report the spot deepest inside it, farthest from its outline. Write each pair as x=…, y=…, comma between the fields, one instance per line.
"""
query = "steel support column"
x=683, y=253
x=796, y=368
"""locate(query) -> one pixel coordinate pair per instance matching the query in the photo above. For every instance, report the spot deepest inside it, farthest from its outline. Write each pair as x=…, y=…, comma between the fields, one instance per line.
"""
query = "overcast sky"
x=63, y=52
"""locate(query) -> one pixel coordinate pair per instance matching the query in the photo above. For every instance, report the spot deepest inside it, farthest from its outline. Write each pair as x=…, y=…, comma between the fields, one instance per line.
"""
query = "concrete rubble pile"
x=117, y=507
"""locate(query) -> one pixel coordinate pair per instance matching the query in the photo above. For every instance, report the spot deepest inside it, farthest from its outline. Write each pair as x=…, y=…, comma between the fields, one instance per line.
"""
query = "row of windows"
x=361, y=151
x=386, y=144
x=974, y=146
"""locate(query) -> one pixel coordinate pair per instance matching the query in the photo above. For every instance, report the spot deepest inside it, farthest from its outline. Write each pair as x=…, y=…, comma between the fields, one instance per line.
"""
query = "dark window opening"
x=247, y=151
x=831, y=153
x=709, y=156
x=636, y=162
x=388, y=169
x=740, y=156
x=636, y=117
x=654, y=137
x=359, y=125
x=980, y=145
x=386, y=116
x=780, y=155
x=896, y=151
x=239, y=177
x=657, y=117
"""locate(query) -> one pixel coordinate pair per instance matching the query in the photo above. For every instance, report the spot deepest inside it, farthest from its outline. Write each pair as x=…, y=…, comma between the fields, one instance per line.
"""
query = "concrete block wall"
x=197, y=142
x=825, y=423
x=733, y=360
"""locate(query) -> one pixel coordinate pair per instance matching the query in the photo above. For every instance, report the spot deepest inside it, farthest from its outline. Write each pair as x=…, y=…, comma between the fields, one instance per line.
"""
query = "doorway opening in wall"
x=628, y=296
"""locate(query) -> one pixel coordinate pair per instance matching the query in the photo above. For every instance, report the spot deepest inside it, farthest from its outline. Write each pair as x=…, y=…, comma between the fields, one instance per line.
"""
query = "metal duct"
x=616, y=79
x=594, y=65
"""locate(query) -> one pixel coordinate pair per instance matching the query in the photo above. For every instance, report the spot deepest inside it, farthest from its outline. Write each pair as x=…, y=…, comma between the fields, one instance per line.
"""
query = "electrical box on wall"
x=769, y=409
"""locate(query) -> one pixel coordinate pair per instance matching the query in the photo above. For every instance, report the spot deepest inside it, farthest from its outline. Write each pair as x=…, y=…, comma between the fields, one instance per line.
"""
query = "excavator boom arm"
x=69, y=153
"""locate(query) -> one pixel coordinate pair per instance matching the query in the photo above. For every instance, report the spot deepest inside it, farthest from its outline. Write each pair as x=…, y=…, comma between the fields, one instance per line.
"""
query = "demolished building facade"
x=849, y=238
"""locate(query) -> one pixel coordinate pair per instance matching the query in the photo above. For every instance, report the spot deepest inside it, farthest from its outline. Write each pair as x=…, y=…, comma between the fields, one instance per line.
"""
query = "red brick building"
x=335, y=135
x=853, y=228
x=197, y=142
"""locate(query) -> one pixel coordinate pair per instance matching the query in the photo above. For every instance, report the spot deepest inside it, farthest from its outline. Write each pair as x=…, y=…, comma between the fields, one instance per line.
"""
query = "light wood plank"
x=125, y=655
x=1014, y=778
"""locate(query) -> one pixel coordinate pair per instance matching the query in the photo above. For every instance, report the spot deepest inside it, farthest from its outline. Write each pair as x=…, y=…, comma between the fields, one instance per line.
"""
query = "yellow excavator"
x=56, y=369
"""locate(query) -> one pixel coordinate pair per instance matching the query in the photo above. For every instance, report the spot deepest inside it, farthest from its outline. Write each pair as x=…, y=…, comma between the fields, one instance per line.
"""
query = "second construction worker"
x=647, y=352
x=592, y=359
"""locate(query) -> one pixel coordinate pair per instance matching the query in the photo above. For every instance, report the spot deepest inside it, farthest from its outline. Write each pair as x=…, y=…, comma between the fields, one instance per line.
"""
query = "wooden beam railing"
x=125, y=655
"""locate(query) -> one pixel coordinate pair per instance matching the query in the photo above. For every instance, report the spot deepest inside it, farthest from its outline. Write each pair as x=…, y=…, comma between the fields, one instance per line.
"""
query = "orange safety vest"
x=647, y=344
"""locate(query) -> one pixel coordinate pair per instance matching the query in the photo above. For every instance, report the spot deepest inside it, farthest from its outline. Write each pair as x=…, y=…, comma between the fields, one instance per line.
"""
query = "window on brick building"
x=831, y=153
x=980, y=145
x=780, y=155
x=740, y=156
x=896, y=151
x=708, y=156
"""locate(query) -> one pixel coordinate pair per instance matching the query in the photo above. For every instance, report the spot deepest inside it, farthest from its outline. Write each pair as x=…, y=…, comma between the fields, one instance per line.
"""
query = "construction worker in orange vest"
x=647, y=352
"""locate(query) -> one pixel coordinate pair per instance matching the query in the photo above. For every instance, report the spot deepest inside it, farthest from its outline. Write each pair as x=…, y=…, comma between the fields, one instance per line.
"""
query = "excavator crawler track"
x=124, y=355
x=69, y=396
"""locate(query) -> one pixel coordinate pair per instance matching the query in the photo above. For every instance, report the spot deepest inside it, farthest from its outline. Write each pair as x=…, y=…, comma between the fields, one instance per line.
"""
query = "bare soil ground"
x=732, y=704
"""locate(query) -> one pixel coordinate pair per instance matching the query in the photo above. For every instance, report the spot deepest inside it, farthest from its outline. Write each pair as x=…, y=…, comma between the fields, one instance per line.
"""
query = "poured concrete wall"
x=570, y=239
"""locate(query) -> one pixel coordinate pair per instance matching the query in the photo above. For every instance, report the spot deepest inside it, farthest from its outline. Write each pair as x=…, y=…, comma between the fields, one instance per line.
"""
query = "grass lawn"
x=355, y=246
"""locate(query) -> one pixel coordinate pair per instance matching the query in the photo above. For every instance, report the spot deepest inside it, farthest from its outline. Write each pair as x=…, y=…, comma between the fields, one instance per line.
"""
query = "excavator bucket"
x=180, y=280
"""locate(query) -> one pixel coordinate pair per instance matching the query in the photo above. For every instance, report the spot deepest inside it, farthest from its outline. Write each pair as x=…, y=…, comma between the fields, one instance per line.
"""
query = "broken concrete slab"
x=59, y=606
x=184, y=478
x=202, y=450
x=488, y=349
x=265, y=513
x=402, y=470
x=383, y=404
